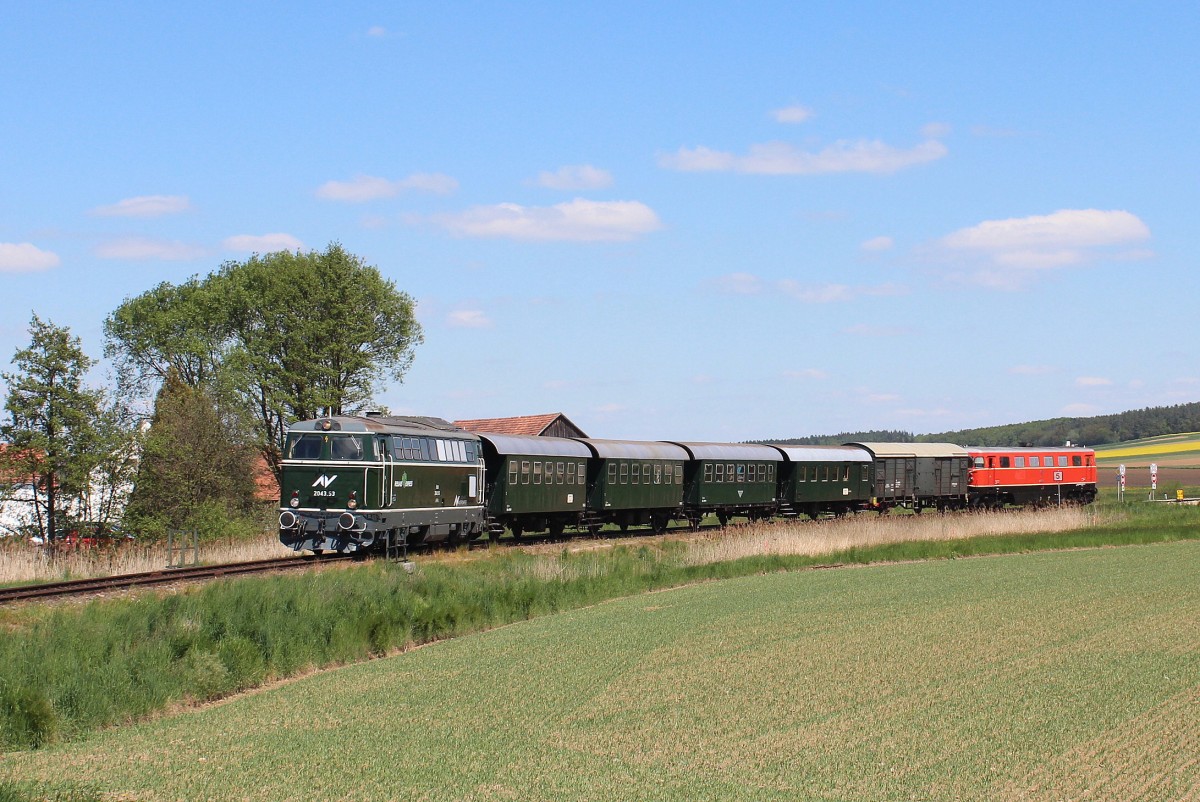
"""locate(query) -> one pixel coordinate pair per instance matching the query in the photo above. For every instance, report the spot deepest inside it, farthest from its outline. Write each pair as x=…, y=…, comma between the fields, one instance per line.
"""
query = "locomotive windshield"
x=306, y=446
x=313, y=446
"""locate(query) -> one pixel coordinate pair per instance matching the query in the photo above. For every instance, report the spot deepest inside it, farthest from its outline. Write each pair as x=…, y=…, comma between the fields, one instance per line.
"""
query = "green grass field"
x=1063, y=675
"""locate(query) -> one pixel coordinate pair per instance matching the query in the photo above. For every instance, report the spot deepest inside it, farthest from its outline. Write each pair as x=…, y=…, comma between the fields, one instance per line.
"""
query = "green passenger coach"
x=534, y=484
x=349, y=483
x=728, y=479
x=631, y=483
x=824, y=479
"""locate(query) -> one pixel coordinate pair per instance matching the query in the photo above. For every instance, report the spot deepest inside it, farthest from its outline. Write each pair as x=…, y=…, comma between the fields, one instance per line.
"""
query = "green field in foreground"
x=1037, y=676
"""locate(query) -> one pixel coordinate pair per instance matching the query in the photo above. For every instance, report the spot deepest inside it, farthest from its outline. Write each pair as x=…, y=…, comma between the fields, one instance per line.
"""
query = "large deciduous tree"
x=51, y=425
x=291, y=336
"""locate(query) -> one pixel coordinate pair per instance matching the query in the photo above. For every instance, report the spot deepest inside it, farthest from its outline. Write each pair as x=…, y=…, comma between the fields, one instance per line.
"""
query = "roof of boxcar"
x=825, y=453
x=732, y=451
x=524, y=444
x=913, y=449
x=380, y=424
x=635, y=449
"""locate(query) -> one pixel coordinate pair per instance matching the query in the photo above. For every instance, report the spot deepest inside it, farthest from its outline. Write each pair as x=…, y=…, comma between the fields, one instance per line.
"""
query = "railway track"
x=77, y=587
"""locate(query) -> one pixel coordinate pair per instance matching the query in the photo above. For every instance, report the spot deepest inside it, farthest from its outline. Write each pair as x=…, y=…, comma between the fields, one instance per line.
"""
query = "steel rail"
x=164, y=576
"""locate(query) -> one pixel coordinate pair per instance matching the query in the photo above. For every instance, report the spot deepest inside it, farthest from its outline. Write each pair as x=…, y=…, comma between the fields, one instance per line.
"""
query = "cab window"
x=343, y=447
x=306, y=446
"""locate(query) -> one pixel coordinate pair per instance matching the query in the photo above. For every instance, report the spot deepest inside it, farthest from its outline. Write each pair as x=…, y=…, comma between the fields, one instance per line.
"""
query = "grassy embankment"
x=68, y=669
x=1065, y=675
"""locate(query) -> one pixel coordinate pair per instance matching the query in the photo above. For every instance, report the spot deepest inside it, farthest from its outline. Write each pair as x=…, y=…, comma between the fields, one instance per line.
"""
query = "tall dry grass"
x=24, y=562
x=815, y=538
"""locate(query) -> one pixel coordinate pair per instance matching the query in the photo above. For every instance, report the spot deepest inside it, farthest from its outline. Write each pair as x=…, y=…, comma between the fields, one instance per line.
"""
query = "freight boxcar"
x=350, y=483
x=728, y=479
x=534, y=484
x=633, y=482
x=1035, y=476
x=816, y=480
x=919, y=475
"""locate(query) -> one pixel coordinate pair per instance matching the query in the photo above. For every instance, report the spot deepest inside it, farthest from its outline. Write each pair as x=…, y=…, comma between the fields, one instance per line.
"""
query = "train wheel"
x=722, y=518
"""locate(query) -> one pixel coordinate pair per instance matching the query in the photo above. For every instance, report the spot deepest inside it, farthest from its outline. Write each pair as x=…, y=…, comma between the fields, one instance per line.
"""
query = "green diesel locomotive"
x=351, y=483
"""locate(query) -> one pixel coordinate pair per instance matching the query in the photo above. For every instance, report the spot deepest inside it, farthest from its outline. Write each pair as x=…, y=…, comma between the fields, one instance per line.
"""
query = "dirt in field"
x=1139, y=476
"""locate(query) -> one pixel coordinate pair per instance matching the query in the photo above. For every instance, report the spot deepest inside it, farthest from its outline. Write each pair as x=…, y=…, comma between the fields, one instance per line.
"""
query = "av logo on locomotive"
x=324, y=481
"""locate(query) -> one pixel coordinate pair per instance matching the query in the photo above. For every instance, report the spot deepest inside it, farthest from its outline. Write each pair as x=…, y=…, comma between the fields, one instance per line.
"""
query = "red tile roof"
x=524, y=424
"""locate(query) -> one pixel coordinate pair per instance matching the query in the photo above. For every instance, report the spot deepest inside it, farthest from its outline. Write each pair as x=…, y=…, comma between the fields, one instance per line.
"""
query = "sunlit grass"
x=1071, y=675
x=21, y=561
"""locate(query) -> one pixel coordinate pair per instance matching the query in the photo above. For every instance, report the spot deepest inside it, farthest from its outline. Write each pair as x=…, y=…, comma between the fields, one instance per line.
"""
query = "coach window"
x=582, y=474
x=1062, y=462
x=977, y=462
x=720, y=472
x=570, y=473
x=1004, y=462
x=668, y=474
x=537, y=472
x=845, y=473
x=1034, y=462
x=866, y=473
x=635, y=473
x=1018, y=462
x=658, y=473
x=561, y=473
x=624, y=473
x=678, y=473
x=512, y=471
x=525, y=471
x=770, y=471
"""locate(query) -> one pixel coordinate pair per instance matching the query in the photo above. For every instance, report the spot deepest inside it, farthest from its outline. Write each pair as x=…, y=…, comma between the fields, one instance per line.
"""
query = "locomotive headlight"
x=353, y=502
x=295, y=501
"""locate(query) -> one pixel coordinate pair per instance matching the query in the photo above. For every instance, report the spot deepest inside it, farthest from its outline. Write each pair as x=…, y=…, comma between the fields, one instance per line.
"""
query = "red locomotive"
x=1031, y=476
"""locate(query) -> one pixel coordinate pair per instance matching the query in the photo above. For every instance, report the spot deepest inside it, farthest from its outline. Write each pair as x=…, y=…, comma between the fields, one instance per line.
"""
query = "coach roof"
x=635, y=449
x=535, y=446
x=913, y=449
x=825, y=453
x=731, y=451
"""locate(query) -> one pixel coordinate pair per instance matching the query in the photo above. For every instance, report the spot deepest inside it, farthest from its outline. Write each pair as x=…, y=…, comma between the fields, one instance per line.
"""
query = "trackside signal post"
x=1121, y=483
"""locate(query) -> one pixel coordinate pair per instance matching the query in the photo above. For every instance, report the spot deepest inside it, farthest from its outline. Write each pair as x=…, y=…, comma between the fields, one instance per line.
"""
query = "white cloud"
x=263, y=243
x=830, y=293
x=782, y=158
x=1008, y=253
x=877, y=244
x=750, y=284
x=578, y=220
x=935, y=130
x=806, y=373
x=142, y=248
x=1092, y=381
x=740, y=284
x=363, y=188
x=792, y=114
x=468, y=319
x=145, y=206
x=575, y=177
x=25, y=257
x=377, y=31
x=1064, y=229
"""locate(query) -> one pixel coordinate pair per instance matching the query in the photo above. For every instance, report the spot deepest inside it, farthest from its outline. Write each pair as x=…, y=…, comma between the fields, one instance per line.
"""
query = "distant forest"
x=1102, y=429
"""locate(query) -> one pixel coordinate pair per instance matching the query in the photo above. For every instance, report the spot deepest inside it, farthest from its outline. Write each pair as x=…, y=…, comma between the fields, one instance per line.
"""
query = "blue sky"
x=671, y=220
